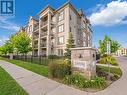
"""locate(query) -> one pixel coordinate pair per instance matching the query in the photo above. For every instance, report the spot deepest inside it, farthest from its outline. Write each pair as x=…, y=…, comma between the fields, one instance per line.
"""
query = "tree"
x=103, y=45
x=3, y=50
x=21, y=42
x=69, y=45
x=9, y=46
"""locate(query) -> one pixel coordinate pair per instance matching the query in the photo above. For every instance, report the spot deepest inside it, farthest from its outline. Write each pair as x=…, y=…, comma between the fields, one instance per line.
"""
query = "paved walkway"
x=35, y=84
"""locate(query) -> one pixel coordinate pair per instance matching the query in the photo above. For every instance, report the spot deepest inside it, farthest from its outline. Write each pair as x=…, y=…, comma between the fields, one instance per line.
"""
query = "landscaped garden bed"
x=8, y=85
x=61, y=71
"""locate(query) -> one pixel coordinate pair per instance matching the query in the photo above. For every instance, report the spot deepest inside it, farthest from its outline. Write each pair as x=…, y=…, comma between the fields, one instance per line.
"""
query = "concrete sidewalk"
x=35, y=84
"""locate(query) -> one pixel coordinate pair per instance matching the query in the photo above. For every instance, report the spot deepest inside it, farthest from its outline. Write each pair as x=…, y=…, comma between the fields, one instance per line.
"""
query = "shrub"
x=99, y=82
x=81, y=82
x=113, y=62
x=67, y=61
x=97, y=56
x=102, y=74
x=59, y=70
x=74, y=79
x=108, y=59
x=102, y=61
x=53, y=56
x=114, y=77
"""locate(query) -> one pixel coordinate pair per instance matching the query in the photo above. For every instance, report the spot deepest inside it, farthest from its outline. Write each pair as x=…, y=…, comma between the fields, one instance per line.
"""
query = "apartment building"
x=121, y=52
x=51, y=31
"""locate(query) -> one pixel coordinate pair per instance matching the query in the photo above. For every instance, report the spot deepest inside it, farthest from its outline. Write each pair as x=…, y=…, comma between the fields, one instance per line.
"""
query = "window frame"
x=30, y=28
x=59, y=28
x=61, y=15
x=59, y=40
x=70, y=17
x=60, y=52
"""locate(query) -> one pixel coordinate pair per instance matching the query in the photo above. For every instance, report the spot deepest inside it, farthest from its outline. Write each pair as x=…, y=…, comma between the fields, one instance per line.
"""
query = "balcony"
x=43, y=45
x=44, y=23
x=36, y=27
x=35, y=37
x=35, y=45
x=43, y=34
x=52, y=35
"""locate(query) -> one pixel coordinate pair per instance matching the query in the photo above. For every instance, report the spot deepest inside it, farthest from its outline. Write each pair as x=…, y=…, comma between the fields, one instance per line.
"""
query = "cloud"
x=98, y=7
x=3, y=39
x=8, y=25
x=113, y=13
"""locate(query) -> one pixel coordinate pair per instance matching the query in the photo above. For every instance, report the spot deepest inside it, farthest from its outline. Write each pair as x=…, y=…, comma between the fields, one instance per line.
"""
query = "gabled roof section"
x=65, y=5
x=48, y=6
x=32, y=18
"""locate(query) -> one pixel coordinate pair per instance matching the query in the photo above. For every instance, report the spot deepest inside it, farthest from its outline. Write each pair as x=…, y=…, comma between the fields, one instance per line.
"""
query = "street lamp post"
x=108, y=53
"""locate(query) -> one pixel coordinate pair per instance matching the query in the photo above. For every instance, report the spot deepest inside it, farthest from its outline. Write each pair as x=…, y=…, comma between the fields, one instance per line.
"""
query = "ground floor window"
x=60, y=52
x=60, y=40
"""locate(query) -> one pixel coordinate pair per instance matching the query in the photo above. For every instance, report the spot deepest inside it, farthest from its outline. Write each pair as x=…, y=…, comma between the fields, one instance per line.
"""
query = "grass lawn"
x=39, y=60
x=113, y=70
x=8, y=85
x=39, y=69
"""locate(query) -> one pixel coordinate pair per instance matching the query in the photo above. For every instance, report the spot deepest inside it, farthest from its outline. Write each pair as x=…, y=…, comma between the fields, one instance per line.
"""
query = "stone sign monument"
x=83, y=60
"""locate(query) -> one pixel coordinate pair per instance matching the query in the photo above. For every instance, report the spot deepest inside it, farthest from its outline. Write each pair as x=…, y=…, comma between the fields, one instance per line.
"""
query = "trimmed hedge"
x=53, y=56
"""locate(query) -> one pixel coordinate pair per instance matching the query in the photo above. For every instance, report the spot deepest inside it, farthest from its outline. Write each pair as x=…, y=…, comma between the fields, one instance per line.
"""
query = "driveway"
x=35, y=84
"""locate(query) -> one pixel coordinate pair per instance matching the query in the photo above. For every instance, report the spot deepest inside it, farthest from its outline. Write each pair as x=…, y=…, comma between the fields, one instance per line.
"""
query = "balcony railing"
x=35, y=45
x=36, y=37
x=36, y=27
x=44, y=23
x=43, y=34
x=43, y=45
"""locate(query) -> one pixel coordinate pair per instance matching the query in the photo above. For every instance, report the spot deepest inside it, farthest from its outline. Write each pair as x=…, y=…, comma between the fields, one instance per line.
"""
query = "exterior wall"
x=78, y=25
x=73, y=25
x=65, y=33
x=121, y=52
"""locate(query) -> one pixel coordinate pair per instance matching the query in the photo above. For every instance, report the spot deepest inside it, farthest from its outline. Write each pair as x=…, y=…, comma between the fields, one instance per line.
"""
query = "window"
x=70, y=29
x=84, y=35
x=61, y=28
x=84, y=43
x=60, y=52
x=60, y=40
x=61, y=16
x=70, y=17
x=30, y=28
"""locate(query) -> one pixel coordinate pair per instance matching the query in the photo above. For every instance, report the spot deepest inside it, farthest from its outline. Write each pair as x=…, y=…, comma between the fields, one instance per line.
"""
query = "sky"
x=108, y=17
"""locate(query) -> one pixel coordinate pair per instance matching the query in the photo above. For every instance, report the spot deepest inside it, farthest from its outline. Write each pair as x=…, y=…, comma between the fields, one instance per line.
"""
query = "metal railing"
x=36, y=37
x=43, y=34
x=36, y=27
x=43, y=45
x=41, y=60
x=44, y=23
x=35, y=45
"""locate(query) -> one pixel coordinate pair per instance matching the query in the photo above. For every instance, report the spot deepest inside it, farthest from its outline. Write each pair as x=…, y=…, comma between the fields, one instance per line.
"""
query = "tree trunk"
x=11, y=55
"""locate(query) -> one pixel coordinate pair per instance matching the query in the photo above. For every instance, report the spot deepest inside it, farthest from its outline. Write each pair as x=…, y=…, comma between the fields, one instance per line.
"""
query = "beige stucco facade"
x=121, y=52
x=51, y=31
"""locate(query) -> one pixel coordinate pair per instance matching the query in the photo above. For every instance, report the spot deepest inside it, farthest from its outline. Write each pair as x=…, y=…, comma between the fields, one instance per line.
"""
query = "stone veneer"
x=83, y=60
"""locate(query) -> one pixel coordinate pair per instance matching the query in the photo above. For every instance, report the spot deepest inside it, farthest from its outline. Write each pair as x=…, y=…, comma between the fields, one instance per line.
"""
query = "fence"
x=36, y=59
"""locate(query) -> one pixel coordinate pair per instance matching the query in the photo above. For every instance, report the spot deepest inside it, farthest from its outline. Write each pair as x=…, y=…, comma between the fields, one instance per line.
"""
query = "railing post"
x=31, y=58
x=39, y=59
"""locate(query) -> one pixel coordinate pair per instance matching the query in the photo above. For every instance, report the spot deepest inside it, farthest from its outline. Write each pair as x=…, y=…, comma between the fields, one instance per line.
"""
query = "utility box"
x=83, y=60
